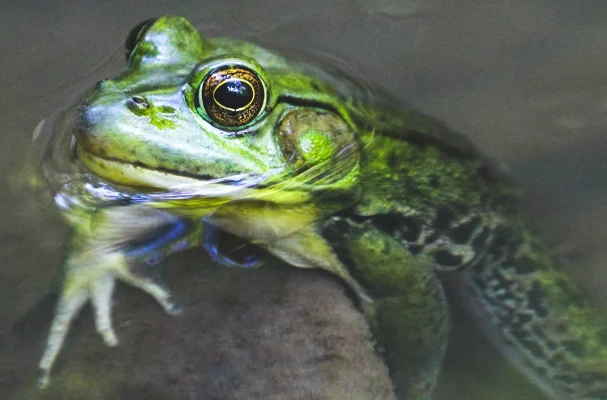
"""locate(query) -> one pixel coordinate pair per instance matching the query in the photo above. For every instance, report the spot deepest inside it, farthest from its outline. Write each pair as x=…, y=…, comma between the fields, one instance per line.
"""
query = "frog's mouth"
x=241, y=186
x=235, y=187
x=128, y=174
x=139, y=175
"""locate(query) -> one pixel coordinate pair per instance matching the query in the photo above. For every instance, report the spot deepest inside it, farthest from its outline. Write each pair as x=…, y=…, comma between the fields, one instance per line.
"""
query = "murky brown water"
x=526, y=81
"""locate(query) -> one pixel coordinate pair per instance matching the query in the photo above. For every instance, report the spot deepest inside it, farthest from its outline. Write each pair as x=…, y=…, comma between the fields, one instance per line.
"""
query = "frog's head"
x=189, y=110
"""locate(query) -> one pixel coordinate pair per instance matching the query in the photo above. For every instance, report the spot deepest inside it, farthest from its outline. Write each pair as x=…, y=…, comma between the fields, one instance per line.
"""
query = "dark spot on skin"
x=431, y=238
x=591, y=377
x=557, y=358
x=404, y=228
x=489, y=299
x=443, y=218
x=575, y=348
x=510, y=318
x=388, y=223
x=504, y=295
x=480, y=242
x=524, y=318
x=506, y=284
x=541, y=371
x=539, y=332
x=394, y=160
x=462, y=233
x=560, y=328
x=415, y=249
x=446, y=259
x=569, y=379
x=314, y=86
x=434, y=182
x=166, y=110
x=529, y=342
x=336, y=230
x=359, y=219
x=410, y=228
x=551, y=344
x=534, y=300
x=523, y=265
x=503, y=237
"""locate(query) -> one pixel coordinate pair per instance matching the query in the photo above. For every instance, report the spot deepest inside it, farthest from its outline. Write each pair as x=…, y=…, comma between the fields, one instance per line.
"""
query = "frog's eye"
x=135, y=36
x=232, y=96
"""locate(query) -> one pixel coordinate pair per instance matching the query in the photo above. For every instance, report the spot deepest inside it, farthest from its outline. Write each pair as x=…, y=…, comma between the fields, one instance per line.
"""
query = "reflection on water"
x=508, y=77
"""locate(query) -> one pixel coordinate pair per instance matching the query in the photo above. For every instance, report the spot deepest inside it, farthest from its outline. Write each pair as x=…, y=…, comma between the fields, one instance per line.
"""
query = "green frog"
x=202, y=137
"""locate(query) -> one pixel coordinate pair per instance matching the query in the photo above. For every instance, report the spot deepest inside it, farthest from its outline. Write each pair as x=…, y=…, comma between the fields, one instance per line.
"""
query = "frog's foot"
x=92, y=277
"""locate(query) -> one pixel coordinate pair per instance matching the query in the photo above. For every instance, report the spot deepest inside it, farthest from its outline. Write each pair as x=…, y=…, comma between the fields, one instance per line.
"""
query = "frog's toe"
x=67, y=308
x=86, y=278
x=101, y=298
x=92, y=275
x=154, y=288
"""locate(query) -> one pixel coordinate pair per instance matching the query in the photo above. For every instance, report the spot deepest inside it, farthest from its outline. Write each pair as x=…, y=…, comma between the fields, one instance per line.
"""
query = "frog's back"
x=431, y=188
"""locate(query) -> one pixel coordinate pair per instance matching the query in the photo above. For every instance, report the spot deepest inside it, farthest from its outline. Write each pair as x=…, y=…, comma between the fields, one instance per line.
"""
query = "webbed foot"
x=91, y=275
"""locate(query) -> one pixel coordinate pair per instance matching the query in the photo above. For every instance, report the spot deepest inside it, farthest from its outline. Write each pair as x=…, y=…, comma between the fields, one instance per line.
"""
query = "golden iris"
x=232, y=95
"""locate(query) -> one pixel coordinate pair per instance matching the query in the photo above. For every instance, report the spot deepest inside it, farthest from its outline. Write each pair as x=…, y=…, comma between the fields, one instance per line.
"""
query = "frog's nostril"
x=138, y=105
x=140, y=101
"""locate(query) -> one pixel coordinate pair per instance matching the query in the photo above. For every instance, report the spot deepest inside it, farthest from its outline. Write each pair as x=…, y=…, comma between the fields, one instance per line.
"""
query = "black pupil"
x=234, y=94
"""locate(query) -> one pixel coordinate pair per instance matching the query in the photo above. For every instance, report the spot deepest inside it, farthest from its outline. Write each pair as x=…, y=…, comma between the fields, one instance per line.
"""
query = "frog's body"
x=321, y=175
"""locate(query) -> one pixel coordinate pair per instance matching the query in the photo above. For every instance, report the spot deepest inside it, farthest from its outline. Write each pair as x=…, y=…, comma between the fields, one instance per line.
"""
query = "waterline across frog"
x=319, y=173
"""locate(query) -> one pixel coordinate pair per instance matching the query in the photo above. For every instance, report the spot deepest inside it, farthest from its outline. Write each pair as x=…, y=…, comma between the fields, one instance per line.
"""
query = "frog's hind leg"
x=532, y=311
x=402, y=298
x=412, y=322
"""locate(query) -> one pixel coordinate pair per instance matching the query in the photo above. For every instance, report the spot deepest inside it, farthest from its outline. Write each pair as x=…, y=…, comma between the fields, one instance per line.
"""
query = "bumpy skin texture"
x=320, y=174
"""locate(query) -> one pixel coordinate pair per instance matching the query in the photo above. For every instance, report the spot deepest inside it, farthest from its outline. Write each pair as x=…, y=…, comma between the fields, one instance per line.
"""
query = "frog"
x=201, y=137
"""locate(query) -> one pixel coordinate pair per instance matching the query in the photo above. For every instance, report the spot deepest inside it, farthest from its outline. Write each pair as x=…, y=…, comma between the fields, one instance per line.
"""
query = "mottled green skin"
x=337, y=178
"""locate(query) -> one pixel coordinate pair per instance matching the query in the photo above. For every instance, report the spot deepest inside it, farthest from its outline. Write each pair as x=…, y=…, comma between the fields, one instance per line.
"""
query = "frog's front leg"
x=401, y=296
x=105, y=247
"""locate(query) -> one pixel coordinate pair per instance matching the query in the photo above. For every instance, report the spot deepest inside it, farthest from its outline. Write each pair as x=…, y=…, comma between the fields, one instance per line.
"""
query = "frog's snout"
x=86, y=119
x=93, y=124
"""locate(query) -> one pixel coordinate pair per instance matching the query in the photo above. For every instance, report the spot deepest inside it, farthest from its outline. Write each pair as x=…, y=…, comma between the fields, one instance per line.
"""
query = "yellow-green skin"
x=330, y=176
